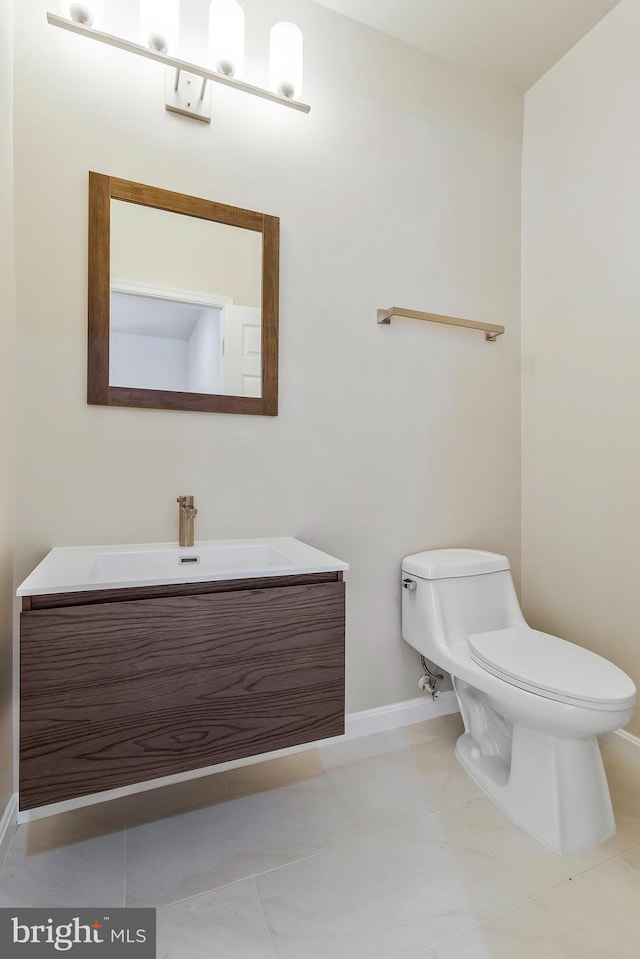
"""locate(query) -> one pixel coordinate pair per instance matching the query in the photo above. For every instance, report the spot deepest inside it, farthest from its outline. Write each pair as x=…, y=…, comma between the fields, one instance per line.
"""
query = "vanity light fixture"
x=159, y=21
x=285, y=59
x=88, y=14
x=226, y=37
x=187, y=88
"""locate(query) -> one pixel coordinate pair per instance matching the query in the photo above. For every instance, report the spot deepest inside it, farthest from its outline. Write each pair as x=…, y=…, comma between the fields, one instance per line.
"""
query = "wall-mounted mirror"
x=183, y=301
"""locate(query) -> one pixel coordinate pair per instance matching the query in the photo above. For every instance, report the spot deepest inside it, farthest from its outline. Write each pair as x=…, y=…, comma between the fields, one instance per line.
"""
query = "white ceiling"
x=514, y=40
x=149, y=316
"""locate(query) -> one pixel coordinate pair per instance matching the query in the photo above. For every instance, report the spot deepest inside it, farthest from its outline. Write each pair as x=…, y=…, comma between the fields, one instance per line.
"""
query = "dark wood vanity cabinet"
x=123, y=686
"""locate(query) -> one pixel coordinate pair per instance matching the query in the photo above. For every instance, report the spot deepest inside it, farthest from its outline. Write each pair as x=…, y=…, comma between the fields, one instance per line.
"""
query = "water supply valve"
x=429, y=684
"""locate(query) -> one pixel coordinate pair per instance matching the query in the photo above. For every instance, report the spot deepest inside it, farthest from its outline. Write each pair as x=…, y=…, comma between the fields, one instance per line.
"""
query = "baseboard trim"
x=383, y=718
x=8, y=825
x=364, y=723
x=625, y=743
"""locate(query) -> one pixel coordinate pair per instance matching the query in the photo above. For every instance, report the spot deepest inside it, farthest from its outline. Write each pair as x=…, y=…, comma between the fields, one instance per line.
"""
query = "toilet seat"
x=552, y=667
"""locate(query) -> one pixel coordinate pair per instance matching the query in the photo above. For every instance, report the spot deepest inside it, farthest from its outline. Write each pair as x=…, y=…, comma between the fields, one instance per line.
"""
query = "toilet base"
x=555, y=789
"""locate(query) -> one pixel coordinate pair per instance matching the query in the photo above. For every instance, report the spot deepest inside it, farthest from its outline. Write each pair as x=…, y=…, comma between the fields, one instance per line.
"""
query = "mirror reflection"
x=185, y=303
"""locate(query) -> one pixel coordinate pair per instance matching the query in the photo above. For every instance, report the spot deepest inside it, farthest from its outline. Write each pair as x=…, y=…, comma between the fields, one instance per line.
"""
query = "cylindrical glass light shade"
x=285, y=59
x=159, y=23
x=88, y=14
x=226, y=37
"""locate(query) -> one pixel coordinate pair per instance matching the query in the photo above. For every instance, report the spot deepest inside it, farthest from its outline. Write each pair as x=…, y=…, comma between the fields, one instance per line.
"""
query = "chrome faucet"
x=187, y=515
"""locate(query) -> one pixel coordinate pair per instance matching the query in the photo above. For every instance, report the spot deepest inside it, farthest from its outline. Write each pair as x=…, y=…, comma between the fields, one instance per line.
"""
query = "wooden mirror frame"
x=102, y=189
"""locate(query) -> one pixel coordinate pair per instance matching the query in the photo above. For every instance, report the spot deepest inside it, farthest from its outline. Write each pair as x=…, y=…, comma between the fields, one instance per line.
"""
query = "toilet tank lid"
x=448, y=563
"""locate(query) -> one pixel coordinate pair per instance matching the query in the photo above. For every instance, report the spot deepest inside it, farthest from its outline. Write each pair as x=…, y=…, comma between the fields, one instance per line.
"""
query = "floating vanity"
x=150, y=661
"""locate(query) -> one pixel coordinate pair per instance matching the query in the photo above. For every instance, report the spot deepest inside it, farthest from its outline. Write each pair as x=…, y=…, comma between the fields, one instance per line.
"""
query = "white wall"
x=401, y=187
x=204, y=359
x=7, y=396
x=581, y=344
x=148, y=362
x=185, y=253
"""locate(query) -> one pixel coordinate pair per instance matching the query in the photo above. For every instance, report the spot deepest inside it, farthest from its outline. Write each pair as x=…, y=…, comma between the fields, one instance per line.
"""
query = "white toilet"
x=532, y=704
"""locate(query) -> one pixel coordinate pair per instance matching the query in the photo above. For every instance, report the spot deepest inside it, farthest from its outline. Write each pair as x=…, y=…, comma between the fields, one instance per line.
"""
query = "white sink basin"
x=74, y=568
x=176, y=561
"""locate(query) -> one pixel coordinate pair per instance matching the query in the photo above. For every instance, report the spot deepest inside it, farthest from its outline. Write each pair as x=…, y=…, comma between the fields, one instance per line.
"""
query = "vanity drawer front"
x=119, y=693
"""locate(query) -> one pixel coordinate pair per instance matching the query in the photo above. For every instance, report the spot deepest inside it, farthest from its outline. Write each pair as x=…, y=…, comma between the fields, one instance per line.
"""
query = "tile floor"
x=381, y=848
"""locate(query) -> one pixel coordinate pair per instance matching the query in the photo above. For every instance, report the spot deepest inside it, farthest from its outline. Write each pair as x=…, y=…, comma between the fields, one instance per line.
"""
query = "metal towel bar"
x=491, y=330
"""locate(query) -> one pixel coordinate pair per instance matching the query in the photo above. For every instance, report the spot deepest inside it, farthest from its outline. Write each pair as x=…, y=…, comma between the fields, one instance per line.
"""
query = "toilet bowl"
x=533, y=705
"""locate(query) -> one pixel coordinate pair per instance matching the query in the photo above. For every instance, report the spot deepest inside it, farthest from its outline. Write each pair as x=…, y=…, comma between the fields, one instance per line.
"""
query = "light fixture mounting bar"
x=114, y=41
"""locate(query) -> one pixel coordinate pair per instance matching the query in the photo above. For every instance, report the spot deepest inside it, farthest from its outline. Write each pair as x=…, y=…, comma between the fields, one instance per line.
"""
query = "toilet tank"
x=457, y=592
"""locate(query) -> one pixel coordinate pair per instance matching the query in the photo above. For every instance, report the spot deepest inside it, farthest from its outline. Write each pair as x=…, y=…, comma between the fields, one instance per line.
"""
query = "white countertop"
x=69, y=569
